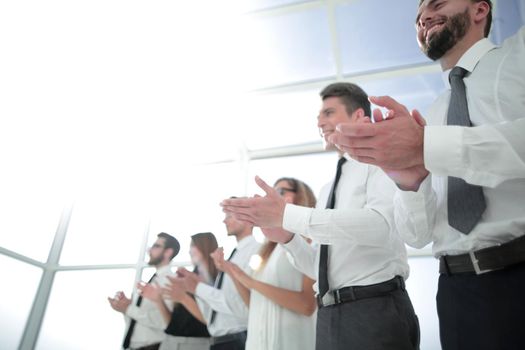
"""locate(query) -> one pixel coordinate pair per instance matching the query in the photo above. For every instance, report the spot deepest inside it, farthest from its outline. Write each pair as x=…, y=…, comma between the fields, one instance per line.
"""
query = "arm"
x=303, y=256
x=152, y=291
x=191, y=305
x=244, y=292
x=226, y=267
x=371, y=225
x=218, y=301
x=485, y=155
x=150, y=318
x=176, y=291
x=415, y=214
x=302, y=302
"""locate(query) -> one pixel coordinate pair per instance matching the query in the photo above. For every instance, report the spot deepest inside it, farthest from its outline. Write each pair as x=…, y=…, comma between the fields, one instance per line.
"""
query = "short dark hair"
x=351, y=95
x=489, y=16
x=170, y=242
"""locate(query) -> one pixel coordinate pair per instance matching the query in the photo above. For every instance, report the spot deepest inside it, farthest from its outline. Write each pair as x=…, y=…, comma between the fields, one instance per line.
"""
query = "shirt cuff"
x=294, y=245
x=414, y=201
x=442, y=149
x=296, y=218
x=201, y=290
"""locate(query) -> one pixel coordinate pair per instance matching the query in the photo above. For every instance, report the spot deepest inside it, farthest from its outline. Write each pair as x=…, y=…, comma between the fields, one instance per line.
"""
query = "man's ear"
x=482, y=10
x=358, y=114
x=168, y=252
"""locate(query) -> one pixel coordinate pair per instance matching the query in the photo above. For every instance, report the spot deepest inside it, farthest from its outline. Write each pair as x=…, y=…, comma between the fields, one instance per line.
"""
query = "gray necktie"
x=466, y=202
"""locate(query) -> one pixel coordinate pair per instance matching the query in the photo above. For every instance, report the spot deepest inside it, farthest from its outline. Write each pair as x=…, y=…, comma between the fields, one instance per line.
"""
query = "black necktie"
x=466, y=202
x=218, y=285
x=323, y=257
x=127, y=339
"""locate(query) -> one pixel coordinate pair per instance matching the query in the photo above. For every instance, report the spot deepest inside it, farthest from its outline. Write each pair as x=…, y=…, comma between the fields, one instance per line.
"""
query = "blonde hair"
x=304, y=196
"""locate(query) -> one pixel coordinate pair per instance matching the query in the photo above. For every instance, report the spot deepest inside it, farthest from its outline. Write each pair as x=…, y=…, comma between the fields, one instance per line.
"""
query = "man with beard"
x=461, y=180
x=145, y=330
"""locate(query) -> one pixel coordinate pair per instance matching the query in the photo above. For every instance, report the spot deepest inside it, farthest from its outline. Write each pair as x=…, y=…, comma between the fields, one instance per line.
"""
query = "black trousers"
x=382, y=323
x=484, y=311
x=237, y=344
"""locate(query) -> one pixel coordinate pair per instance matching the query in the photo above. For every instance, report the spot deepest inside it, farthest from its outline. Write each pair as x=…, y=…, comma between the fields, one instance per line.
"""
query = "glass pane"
x=78, y=302
x=192, y=205
x=422, y=287
x=373, y=40
x=254, y=5
x=281, y=119
x=17, y=299
x=29, y=221
x=508, y=17
x=415, y=92
x=286, y=48
x=104, y=230
x=315, y=170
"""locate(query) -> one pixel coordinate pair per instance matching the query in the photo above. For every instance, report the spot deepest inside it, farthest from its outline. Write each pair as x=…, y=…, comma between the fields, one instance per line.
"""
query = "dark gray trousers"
x=485, y=312
x=381, y=323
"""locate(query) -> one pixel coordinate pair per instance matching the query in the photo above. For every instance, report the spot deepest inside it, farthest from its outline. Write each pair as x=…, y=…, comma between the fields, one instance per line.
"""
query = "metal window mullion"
x=38, y=309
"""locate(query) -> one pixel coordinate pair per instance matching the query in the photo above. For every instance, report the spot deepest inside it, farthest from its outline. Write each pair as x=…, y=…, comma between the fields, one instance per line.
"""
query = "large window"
x=142, y=117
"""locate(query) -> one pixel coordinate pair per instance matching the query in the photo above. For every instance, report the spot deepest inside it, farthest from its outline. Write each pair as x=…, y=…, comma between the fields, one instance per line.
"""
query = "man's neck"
x=242, y=236
x=161, y=265
x=452, y=56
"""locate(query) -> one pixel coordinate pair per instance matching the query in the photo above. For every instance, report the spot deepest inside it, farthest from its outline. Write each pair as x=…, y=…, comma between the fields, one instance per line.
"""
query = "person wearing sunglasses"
x=281, y=299
x=145, y=330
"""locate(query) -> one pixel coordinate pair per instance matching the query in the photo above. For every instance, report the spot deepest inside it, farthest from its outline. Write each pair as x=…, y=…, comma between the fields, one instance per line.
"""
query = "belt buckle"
x=475, y=263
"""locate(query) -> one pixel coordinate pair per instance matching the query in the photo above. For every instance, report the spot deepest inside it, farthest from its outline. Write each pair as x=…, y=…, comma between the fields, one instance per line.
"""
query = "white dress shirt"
x=364, y=245
x=232, y=313
x=150, y=325
x=490, y=154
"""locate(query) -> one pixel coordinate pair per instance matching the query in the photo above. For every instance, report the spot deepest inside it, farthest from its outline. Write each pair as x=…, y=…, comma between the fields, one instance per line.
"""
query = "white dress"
x=270, y=326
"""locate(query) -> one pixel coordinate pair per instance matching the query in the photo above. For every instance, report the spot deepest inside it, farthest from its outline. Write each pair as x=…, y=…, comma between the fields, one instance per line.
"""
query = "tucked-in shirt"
x=490, y=154
x=232, y=313
x=150, y=325
x=364, y=245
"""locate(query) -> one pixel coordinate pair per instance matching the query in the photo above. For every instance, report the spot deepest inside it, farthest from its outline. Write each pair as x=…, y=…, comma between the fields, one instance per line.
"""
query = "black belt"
x=485, y=260
x=148, y=347
x=229, y=338
x=353, y=293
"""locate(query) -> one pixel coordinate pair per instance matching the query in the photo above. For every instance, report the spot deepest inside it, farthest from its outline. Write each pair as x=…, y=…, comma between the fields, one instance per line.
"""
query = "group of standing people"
x=454, y=178
x=224, y=303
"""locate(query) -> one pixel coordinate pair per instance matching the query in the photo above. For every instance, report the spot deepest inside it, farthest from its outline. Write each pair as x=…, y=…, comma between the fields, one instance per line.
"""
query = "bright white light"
x=255, y=262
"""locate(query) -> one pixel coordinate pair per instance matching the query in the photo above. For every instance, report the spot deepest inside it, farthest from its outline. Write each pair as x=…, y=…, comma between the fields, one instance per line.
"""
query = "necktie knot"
x=457, y=73
x=340, y=163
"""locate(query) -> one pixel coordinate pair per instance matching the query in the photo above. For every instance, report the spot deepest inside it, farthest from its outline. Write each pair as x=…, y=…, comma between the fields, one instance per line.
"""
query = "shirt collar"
x=163, y=270
x=470, y=59
x=244, y=242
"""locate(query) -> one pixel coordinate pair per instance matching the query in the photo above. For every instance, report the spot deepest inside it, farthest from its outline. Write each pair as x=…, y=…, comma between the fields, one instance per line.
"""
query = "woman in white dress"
x=280, y=298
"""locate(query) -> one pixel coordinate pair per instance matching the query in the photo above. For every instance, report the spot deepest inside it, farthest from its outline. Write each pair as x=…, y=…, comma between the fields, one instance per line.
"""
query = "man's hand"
x=150, y=291
x=408, y=179
x=395, y=143
x=267, y=211
x=218, y=258
x=188, y=280
x=277, y=235
x=120, y=302
x=175, y=289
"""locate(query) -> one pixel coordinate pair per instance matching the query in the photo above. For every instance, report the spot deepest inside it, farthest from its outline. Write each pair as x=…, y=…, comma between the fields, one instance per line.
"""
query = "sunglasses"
x=283, y=190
